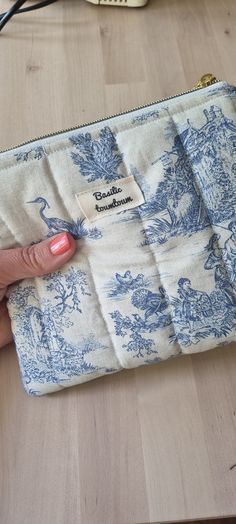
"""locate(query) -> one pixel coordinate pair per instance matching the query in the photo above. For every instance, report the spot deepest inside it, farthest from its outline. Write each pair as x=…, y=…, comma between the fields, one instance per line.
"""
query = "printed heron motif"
x=56, y=225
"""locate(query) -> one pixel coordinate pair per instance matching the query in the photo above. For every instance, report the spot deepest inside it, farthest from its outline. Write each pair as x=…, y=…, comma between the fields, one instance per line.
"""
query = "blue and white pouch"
x=150, y=197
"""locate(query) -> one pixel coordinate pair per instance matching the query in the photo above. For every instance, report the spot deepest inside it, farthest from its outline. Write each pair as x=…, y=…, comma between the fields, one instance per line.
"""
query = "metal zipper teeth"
x=41, y=137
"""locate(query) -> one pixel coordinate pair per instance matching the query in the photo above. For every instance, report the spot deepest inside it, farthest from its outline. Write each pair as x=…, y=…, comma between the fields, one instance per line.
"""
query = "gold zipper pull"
x=206, y=80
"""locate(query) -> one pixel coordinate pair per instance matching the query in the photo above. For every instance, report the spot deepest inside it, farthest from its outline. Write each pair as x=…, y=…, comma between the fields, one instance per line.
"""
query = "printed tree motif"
x=44, y=352
x=19, y=298
x=179, y=196
x=199, y=184
x=97, y=158
x=141, y=346
x=124, y=325
x=67, y=286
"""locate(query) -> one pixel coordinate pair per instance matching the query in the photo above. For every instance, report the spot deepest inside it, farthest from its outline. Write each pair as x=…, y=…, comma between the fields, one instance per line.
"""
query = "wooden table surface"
x=157, y=443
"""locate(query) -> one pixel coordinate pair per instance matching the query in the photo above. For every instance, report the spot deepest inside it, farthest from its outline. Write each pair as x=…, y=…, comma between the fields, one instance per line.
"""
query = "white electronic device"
x=120, y=3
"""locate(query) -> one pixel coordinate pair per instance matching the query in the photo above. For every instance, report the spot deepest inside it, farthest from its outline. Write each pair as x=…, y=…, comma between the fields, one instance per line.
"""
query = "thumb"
x=36, y=260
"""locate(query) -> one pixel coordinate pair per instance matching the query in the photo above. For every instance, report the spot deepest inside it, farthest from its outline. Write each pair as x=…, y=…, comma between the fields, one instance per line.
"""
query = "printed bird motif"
x=56, y=225
x=164, y=298
x=128, y=281
x=156, y=303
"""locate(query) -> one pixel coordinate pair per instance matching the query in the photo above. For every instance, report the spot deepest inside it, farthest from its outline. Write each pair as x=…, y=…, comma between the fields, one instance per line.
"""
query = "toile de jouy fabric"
x=150, y=197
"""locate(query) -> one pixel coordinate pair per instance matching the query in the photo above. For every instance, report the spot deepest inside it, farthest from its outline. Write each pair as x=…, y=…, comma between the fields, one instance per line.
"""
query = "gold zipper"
x=205, y=81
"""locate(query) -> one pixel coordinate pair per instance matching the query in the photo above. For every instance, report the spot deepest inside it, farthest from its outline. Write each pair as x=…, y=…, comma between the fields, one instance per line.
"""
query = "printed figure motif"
x=196, y=305
x=193, y=314
x=229, y=252
x=216, y=260
x=199, y=314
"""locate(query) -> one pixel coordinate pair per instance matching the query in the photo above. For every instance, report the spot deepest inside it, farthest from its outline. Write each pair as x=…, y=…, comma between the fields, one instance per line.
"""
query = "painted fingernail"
x=60, y=244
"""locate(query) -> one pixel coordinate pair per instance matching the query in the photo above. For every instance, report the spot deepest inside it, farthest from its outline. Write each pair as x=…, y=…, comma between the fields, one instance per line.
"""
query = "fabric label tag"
x=108, y=199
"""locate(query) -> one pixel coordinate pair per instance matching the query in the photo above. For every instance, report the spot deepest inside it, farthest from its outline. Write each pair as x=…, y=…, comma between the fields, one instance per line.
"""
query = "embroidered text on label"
x=99, y=195
x=114, y=204
x=109, y=203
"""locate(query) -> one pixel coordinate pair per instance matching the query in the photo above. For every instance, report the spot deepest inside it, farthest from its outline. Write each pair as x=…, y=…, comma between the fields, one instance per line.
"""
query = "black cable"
x=5, y=17
x=10, y=13
x=31, y=7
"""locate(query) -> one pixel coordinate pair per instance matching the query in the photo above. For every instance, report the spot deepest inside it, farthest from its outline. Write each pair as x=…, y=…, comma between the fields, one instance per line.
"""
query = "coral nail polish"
x=60, y=244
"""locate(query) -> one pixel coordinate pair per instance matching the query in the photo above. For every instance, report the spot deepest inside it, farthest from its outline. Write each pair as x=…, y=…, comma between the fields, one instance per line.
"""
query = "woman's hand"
x=27, y=262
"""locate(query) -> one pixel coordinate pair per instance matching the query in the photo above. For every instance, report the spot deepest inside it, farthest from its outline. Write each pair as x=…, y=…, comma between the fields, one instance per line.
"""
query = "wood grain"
x=156, y=444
